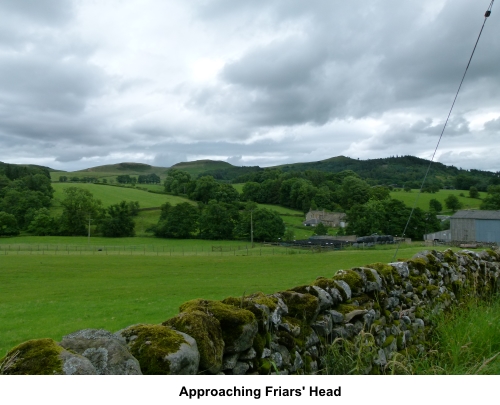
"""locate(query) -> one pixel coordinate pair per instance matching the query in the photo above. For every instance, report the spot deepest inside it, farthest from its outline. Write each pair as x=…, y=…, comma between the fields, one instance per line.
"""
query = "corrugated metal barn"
x=475, y=226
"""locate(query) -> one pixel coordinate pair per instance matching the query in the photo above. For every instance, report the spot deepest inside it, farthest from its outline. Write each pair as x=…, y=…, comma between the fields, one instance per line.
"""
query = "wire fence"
x=152, y=250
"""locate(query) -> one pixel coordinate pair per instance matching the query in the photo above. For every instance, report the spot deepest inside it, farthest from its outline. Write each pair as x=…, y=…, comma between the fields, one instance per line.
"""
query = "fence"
x=149, y=250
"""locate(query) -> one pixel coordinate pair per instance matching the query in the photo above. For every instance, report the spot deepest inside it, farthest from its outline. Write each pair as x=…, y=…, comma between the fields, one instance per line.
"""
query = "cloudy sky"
x=252, y=82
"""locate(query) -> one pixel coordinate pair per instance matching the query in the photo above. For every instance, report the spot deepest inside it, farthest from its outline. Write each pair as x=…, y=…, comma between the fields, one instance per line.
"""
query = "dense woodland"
x=221, y=212
x=397, y=171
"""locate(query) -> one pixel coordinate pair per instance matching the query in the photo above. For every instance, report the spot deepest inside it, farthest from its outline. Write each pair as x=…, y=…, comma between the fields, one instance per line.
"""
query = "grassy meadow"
x=423, y=199
x=50, y=293
x=113, y=195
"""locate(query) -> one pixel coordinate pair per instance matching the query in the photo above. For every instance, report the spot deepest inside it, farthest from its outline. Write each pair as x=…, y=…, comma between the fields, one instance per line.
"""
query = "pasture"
x=423, y=199
x=50, y=293
x=114, y=194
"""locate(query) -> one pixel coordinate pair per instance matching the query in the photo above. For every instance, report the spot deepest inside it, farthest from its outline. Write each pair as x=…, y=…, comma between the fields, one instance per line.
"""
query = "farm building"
x=441, y=236
x=332, y=219
x=475, y=226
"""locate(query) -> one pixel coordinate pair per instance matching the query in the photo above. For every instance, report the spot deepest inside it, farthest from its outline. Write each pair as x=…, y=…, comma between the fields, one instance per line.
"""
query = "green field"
x=58, y=292
x=238, y=187
x=113, y=195
x=424, y=198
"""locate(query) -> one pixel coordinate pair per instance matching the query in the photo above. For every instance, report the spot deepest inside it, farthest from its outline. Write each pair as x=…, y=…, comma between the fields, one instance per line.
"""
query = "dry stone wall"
x=287, y=332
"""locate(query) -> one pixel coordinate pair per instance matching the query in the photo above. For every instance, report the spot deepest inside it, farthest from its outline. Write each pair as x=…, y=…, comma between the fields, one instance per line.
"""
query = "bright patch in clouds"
x=206, y=69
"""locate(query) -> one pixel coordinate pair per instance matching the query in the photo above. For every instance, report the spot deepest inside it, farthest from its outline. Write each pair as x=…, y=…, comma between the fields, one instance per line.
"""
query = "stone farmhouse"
x=332, y=219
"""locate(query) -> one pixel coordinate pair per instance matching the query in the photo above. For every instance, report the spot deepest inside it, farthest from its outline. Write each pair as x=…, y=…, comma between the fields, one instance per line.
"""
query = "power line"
x=486, y=15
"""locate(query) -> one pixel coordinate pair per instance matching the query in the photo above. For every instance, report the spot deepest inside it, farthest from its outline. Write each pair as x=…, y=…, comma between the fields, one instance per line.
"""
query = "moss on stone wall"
x=34, y=357
x=233, y=320
x=151, y=344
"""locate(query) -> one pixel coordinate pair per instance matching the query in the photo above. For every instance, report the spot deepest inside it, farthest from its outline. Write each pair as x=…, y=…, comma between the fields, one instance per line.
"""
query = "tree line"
x=26, y=195
x=24, y=192
x=369, y=209
x=219, y=221
x=396, y=171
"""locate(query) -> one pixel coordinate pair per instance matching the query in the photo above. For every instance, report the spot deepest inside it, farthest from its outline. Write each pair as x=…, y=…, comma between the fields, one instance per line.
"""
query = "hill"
x=397, y=171
x=198, y=167
x=126, y=168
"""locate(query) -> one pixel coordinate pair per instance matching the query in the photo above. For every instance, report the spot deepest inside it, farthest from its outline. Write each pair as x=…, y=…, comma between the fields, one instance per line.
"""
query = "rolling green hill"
x=396, y=171
x=114, y=194
x=201, y=166
x=424, y=198
x=111, y=171
x=126, y=168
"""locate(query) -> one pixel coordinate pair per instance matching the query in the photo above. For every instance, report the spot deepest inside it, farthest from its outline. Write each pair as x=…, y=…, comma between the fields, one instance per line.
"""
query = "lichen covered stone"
x=106, y=351
x=162, y=350
x=239, y=326
x=207, y=332
x=44, y=357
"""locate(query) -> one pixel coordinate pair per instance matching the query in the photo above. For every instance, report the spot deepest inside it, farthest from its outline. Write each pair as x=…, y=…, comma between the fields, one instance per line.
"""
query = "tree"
x=205, y=189
x=324, y=199
x=267, y=225
x=177, y=182
x=301, y=194
x=78, y=207
x=452, y=203
x=8, y=224
x=389, y=217
x=289, y=235
x=321, y=229
x=218, y=221
x=366, y=219
x=270, y=191
x=179, y=221
x=133, y=208
x=380, y=193
x=43, y=224
x=492, y=199
x=226, y=193
x=118, y=221
x=473, y=192
x=251, y=191
x=435, y=205
x=353, y=191
x=21, y=202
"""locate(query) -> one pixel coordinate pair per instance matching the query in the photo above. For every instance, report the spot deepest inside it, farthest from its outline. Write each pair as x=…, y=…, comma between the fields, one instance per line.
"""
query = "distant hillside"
x=397, y=171
x=14, y=171
x=203, y=167
x=42, y=168
x=126, y=168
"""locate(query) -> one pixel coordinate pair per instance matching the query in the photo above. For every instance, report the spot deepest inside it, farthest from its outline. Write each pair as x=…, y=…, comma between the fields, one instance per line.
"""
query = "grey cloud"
x=166, y=159
x=39, y=11
x=310, y=66
x=355, y=68
x=493, y=125
x=235, y=160
x=46, y=84
x=280, y=64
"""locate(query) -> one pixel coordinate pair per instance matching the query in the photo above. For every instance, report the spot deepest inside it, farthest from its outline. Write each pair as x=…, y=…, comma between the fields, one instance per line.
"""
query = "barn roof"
x=476, y=214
